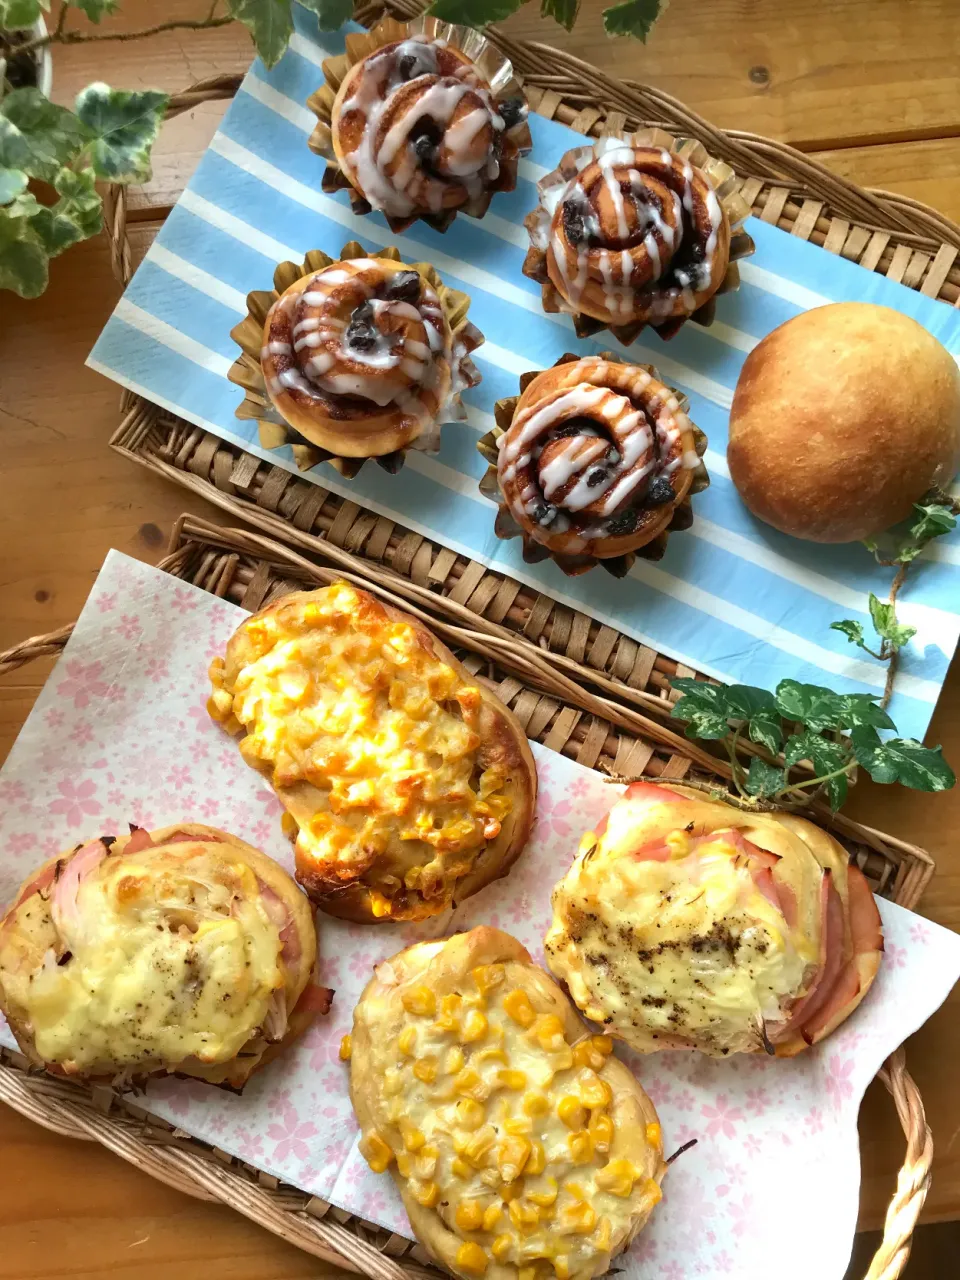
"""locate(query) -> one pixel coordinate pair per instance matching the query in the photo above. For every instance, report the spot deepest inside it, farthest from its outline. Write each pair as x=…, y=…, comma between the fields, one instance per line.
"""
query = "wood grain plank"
x=927, y=171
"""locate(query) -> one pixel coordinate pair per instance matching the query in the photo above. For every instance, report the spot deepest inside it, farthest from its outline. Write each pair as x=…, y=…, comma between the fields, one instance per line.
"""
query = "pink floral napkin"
x=120, y=734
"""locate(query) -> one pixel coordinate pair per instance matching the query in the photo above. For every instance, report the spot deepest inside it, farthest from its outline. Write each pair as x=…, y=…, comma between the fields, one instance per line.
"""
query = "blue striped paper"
x=731, y=597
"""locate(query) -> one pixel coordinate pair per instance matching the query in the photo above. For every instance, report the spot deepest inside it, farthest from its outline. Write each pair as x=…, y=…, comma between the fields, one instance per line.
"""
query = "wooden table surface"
x=869, y=86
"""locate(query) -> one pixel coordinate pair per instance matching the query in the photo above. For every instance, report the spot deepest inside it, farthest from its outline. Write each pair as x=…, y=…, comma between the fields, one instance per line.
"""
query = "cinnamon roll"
x=358, y=358
x=595, y=460
x=426, y=120
x=629, y=233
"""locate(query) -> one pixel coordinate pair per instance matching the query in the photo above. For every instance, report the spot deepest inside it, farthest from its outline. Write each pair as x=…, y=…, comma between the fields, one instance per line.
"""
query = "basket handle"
x=913, y=1181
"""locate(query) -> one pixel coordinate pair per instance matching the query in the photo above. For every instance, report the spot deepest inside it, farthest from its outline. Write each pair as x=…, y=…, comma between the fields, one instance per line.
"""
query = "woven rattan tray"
x=586, y=723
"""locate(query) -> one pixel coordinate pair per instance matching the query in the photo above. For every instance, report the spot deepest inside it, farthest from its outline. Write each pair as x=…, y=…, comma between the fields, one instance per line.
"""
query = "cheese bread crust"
x=519, y=1144
x=179, y=951
x=408, y=786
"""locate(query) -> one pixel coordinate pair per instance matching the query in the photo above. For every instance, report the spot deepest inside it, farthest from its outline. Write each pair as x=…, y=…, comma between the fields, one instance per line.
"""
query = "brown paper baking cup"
x=496, y=70
x=534, y=552
x=717, y=172
x=246, y=371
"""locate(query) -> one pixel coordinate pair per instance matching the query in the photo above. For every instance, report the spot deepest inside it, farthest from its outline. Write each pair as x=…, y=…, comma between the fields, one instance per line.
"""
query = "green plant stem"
x=59, y=36
x=816, y=782
x=731, y=745
x=898, y=581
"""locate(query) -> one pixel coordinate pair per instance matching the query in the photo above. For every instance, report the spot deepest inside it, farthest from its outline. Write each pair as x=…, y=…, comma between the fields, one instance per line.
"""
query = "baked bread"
x=519, y=1145
x=842, y=419
x=407, y=785
x=360, y=359
x=181, y=950
x=628, y=234
x=417, y=128
x=687, y=923
x=597, y=461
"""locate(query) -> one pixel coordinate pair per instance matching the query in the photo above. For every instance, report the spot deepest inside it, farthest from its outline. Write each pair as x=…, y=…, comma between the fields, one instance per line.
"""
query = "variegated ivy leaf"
x=331, y=14
x=12, y=182
x=37, y=136
x=632, y=18
x=23, y=259
x=17, y=14
x=563, y=11
x=473, y=13
x=122, y=126
x=270, y=22
x=96, y=9
x=77, y=215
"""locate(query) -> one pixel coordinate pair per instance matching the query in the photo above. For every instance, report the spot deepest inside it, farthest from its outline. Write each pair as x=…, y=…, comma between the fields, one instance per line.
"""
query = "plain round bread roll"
x=843, y=418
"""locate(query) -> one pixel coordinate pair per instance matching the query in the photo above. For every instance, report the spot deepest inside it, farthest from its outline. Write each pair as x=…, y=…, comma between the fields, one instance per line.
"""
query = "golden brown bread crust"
x=28, y=932
x=356, y=885
x=842, y=418
x=631, y=1149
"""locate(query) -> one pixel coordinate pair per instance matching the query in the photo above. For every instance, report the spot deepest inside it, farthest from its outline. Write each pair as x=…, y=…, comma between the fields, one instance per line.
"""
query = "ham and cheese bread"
x=522, y=1149
x=407, y=785
x=685, y=922
x=181, y=950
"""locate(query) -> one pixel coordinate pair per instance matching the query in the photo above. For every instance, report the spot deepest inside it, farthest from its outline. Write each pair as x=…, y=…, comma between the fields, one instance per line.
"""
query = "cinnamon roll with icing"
x=630, y=232
x=426, y=120
x=358, y=358
x=593, y=462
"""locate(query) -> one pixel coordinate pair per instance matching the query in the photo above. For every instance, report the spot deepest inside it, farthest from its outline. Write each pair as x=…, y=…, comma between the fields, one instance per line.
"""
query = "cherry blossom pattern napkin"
x=120, y=734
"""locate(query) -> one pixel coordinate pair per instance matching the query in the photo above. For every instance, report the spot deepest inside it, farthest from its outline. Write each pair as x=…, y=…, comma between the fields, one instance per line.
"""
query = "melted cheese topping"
x=506, y=1129
x=687, y=948
x=384, y=733
x=168, y=956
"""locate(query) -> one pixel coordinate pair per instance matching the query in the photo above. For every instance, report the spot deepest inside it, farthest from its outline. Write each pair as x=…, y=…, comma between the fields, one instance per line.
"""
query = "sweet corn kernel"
x=546, y=1195
x=537, y=1159
x=524, y=1216
x=491, y=1055
x=518, y=1007
x=470, y=1257
x=502, y=1246
x=491, y=1216
x=652, y=1191
x=654, y=1135
x=479, y=1145
x=413, y=1138
x=578, y=1217
x=575, y=1189
x=487, y=976
x=561, y=1267
x=459, y=1168
x=425, y=1162
x=392, y=1081
x=346, y=1047
x=601, y=1238
x=407, y=1041
x=448, y=1019
x=376, y=1152
x=420, y=1000
x=600, y=1129
x=469, y=1215
x=405, y=1163
x=521, y=1125
x=603, y=1044
x=469, y=1114
x=425, y=1193
x=509, y=1191
x=425, y=1069
x=580, y=1146
x=585, y=1055
x=471, y=1085
x=527, y=1273
x=571, y=1112
x=678, y=842
x=617, y=1177
x=562, y=1060
x=453, y=1060
x=594, y=1092
x=512, y=1154
x=512, y=1079
x=473, y=1027
x=549, y=1032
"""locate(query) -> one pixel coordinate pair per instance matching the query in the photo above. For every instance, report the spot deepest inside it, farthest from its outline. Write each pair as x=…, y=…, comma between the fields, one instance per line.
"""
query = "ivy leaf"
x=77, y=215
x=812, y=704
x=763, y=779
x=902, y=760
x=96, y=9
x=474, y=13
x=884, y=617
x=12, y=182
x=931, y=520
x=123, y=125
x=703, y=706
x=38, y=136
x=864, y=709
x=331, y=14
x=23, y=259
x=759, y=709
x=852, y=630
x=15, y=15
x=562, y=11
x=632, y=18
x=826, y=757
x=270, y=22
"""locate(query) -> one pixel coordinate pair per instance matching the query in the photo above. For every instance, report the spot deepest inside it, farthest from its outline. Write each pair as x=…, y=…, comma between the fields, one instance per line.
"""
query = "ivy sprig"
x=809, y=724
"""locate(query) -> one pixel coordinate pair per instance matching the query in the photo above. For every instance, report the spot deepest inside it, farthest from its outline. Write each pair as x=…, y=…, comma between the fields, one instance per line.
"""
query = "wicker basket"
x=586, y=723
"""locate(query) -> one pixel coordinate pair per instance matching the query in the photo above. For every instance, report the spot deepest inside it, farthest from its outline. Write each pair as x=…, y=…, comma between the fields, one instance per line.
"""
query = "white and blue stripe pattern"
x=731, y=597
